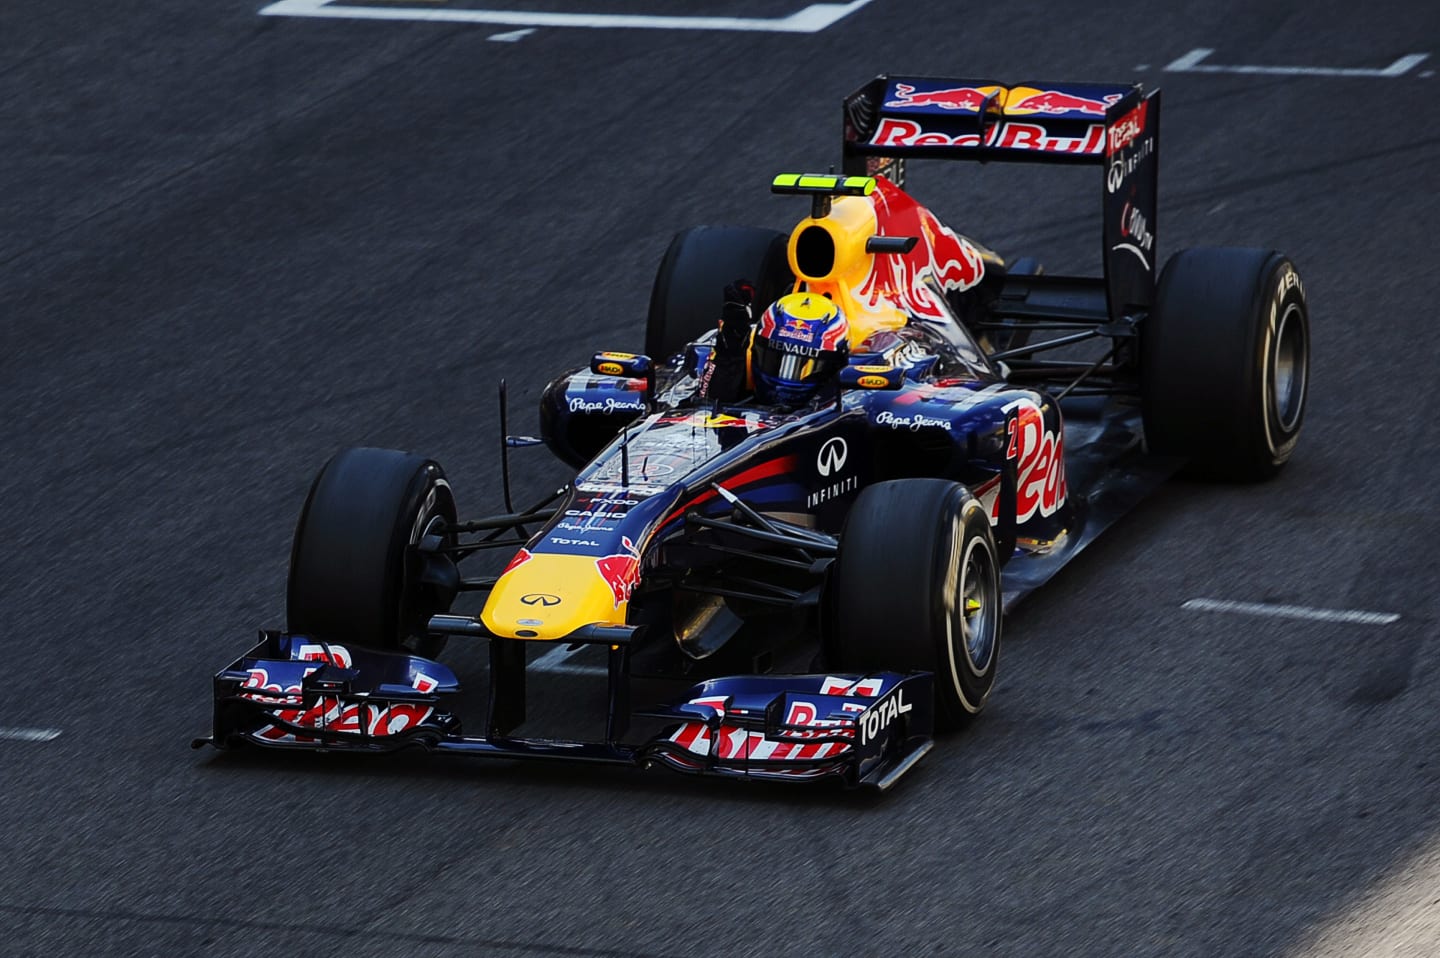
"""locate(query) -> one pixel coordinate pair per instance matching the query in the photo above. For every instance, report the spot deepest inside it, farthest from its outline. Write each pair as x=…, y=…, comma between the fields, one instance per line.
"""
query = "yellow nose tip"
x=972, y=606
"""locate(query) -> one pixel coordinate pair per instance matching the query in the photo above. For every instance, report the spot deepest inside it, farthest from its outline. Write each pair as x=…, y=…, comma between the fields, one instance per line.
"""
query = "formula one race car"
x=825, y=569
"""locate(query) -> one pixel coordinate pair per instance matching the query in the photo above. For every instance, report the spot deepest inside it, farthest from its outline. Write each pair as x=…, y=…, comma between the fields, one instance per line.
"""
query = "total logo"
x=1124, y=130
x=879, y=718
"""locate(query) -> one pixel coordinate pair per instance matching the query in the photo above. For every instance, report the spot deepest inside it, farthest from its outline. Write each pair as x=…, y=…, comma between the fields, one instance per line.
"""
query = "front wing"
x=294, y=692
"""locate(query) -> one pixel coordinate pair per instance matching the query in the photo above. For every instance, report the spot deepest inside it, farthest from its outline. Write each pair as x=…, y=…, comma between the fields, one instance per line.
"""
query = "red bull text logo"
x=329, y=713
x=802, y=329
x=1006, y=136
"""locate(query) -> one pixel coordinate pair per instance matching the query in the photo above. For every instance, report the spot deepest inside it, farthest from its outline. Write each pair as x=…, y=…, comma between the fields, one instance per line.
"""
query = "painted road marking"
x=1193, y=62
x=554, y=662
x=1354, y=616
x=29, y=734
x=812, y=19
x=514, y=36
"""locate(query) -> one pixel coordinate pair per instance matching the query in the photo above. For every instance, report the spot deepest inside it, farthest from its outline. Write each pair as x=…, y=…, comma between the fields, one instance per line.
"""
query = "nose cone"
x=549, y=596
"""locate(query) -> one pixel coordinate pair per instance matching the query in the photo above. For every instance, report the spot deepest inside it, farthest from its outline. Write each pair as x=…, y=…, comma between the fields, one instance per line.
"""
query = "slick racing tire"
x=916, y=587
x=690, y=284
x=356, y=574
x=1224, y=362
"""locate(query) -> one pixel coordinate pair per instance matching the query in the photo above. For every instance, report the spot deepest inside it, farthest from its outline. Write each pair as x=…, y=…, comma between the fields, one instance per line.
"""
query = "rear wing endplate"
x=1113, y=126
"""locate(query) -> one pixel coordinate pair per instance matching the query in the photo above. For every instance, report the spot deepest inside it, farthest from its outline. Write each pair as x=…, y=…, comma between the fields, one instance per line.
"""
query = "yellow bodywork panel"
x=850, y=224
x=549, y=596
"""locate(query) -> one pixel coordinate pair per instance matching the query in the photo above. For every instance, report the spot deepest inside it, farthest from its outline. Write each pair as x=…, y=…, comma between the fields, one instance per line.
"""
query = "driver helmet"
x=801, y=344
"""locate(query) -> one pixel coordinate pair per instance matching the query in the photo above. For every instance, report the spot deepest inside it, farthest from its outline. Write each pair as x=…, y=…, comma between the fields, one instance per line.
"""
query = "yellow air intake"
x=828, y=255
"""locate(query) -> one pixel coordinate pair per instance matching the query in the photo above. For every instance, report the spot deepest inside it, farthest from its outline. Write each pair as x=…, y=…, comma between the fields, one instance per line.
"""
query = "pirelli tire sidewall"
x=896, y=596
x=971, y=554
x=1224, y=362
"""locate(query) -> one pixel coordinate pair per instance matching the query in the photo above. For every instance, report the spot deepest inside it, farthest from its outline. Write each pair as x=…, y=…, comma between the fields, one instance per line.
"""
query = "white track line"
x=812, y=19
x=29, y=734
x=514, y=36
x=1193, y=62
x=1353, y=616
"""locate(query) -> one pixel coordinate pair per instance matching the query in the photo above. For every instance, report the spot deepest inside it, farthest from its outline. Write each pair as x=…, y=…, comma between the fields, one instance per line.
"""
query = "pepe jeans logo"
x=609, y=405
x=540, y=598
x=832, y=456
x=914, y=423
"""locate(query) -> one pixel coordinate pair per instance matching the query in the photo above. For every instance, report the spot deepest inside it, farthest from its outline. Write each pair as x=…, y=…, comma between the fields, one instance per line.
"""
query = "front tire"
x=916, y=587
x=356, y=574
x=1224, y=362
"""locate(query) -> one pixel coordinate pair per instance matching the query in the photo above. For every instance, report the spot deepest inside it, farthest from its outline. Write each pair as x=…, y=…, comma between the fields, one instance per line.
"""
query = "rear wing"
x=1113, y=126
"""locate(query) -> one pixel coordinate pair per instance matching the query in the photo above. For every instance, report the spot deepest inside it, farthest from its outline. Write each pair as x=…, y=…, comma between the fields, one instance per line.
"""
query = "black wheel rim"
x=973, y=606
x=1288, y=369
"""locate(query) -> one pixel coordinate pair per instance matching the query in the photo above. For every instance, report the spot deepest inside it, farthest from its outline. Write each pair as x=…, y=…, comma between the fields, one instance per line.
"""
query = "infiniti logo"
x=540, y=598
x=832, y=456
x=1116, y=174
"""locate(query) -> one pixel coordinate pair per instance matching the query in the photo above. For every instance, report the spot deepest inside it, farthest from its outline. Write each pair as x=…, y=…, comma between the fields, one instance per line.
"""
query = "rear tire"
x=355, y=574
x=1224, y=362
x=690, y=284
x=916, y=587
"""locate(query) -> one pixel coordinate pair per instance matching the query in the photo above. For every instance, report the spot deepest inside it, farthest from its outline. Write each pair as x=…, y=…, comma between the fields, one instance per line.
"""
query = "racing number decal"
x=1039, y=457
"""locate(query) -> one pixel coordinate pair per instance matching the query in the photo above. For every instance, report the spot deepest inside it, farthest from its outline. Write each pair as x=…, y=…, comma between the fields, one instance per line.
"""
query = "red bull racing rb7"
x=804, y=508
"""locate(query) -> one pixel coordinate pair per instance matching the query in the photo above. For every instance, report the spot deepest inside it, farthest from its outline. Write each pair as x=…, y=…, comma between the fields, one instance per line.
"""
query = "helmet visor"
x=790, y=367
x=784, y=367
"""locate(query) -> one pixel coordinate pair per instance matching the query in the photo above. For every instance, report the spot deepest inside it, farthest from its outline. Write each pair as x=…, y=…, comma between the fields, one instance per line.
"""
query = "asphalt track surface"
x=231, y=244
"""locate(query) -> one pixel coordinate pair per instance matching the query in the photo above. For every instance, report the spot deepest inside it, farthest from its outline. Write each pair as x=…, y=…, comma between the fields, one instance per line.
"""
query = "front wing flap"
x=291, y=690
x=865, y=729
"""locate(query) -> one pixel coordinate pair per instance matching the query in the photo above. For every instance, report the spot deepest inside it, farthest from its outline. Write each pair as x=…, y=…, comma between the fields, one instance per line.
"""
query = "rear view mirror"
x=633, y=365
